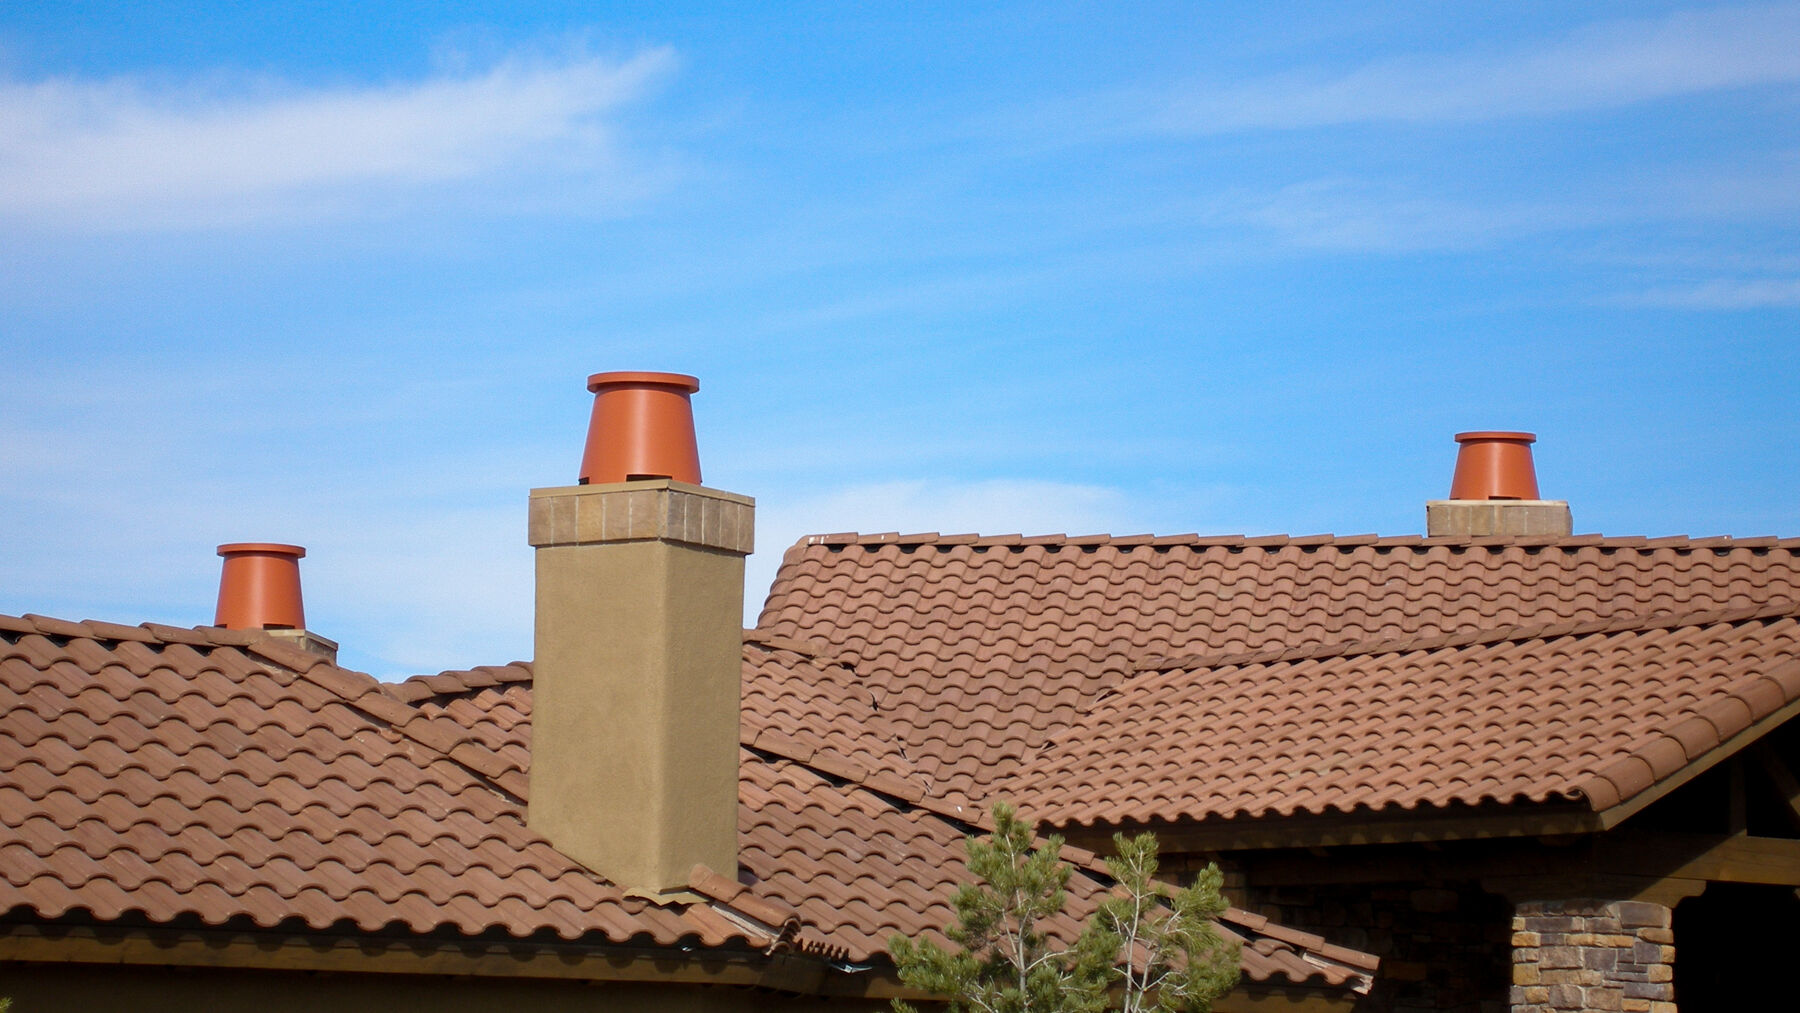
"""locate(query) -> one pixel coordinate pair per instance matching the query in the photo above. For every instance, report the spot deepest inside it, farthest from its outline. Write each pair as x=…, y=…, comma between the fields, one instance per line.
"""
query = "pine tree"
x=1146, y=949
x=1179, y=963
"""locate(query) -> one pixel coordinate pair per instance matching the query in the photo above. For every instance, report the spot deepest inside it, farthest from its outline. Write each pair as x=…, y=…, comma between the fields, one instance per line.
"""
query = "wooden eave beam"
x=1647, y=855
x=785, y=972
x=1336, y=830
x=1786, y=784
x=1732, y=859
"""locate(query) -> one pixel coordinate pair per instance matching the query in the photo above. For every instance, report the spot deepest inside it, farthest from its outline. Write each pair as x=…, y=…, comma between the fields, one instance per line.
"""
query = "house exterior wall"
x=1579, y=955
x=1445, y=946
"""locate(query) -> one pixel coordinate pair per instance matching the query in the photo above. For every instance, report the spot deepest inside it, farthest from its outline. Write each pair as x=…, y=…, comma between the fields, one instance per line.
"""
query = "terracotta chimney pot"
x=259, y=587
x=642, y=427
x=1494, y=465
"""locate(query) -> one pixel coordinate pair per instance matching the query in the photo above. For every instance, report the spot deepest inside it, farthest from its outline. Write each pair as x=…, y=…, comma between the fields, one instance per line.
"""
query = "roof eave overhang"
x=1331, y=829
x=1625, y=808
x=799, y=973
x=53, y=943
x=1396, y=825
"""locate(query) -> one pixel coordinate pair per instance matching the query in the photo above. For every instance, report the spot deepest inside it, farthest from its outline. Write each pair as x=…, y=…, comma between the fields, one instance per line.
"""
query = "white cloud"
x=1724, y=294
x=1343, y=214
x=1601, y=66
x=415, y=563
x=121, y=154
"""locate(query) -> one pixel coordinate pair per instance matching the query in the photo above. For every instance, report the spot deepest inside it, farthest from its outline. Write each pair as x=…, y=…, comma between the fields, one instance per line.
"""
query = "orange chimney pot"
x=1494, y=465
x=642, y=427
x=259, y=587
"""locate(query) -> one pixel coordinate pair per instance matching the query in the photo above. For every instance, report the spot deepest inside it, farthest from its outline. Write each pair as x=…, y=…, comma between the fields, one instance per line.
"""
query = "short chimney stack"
x=259, y=589
x=1494, y=491
x=640, y=591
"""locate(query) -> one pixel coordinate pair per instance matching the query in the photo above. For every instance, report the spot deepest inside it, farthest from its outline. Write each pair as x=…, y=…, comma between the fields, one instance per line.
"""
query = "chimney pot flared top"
x=1494, y=464
x=259, y=586
x=642, y=427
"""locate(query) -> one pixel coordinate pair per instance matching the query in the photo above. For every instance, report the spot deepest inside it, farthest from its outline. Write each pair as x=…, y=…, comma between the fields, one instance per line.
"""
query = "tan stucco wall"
x=639, y=648
x=87, y=988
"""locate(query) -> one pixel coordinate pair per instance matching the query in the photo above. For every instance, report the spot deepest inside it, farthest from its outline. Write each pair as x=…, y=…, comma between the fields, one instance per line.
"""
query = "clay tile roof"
x=171, y=779
x=1592, y=712
x=196, y=777
x=889, y=869
x=982, y=650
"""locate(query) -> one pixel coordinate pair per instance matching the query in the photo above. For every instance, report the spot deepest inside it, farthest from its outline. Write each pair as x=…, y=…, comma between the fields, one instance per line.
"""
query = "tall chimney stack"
x=259, y=589
x=1494, y=491
x=640, y=597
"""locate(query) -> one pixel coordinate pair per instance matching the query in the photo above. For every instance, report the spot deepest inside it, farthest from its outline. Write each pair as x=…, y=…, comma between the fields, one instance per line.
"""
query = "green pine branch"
x=1146, y=949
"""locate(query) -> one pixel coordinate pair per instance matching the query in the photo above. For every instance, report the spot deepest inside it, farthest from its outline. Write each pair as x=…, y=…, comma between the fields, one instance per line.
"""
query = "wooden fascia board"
x=1331, y=830
x=1733, y=859
x=1723, y=751
x=786, y=972
x=193, y=948
x=1649, y=855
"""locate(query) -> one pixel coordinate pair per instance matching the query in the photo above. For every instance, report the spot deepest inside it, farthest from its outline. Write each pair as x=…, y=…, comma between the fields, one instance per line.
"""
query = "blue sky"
x=335, y=276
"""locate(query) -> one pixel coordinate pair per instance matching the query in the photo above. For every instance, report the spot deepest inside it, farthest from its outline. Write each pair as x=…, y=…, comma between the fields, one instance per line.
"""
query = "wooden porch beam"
x=1786, y=784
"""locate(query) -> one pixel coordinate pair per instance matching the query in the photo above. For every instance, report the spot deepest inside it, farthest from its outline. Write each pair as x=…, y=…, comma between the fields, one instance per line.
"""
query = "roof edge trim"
x=193, y=948
x=1629, y=806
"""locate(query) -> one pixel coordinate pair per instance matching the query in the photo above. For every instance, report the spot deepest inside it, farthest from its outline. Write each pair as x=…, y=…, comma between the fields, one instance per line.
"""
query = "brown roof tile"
x=211, y=780
x=980, y=650
x=1594, y=712
x=220, y=786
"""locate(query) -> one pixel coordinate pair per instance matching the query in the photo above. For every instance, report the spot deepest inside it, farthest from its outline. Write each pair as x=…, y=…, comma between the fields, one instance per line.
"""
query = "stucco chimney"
x=1494, y=491
x=259, y=589
x=640, y=596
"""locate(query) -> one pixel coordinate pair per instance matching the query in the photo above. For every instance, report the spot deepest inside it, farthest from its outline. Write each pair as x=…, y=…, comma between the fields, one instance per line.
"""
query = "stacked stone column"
x=1582, y=955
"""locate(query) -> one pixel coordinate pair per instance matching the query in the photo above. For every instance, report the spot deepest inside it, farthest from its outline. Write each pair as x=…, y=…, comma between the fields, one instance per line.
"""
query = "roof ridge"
x=364, y=694
x=143, y=633
x=453, y=682
x=886, y=782
x=1478, y=637
x=845, y=539
x=357, y=690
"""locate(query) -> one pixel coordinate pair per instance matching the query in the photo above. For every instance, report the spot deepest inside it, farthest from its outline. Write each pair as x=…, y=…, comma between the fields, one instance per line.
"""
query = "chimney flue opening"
x=259, y=587
x=1494, y=465
x=642, y=427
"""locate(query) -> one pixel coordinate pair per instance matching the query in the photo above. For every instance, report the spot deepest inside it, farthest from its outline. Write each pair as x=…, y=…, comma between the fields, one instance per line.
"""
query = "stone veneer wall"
x=1571, y=955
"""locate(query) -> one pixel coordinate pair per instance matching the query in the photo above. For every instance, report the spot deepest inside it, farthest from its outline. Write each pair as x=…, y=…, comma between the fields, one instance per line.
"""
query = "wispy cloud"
x=1375, y=215
x=415, y=562
x=1347, y=214
x=1601, y=66
x=1723, y=294
x=119, y=153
